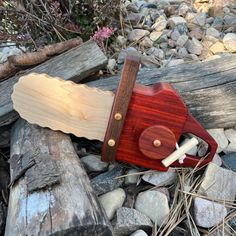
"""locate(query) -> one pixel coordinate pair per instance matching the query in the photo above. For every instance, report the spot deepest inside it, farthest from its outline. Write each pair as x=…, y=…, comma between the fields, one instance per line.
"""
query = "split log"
x=50, y=193
x=207, y=88
x=75, y=64
x=16, y=63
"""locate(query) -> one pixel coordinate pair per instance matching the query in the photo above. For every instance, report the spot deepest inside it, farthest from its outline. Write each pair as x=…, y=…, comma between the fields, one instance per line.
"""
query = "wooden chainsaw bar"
x=120, y=107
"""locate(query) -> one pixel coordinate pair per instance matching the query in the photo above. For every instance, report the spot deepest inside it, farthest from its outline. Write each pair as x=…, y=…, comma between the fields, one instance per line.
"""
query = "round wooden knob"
x=157, y=142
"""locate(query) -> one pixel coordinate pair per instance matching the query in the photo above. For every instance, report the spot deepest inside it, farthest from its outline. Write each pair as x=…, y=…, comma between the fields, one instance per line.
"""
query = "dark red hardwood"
x=150, y=108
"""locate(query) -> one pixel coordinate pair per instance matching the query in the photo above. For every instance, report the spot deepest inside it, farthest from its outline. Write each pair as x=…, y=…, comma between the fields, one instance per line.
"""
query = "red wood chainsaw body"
x=153, y=122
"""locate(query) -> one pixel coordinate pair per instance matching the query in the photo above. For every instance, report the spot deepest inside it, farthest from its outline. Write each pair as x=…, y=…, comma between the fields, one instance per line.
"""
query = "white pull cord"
x=179, y=154
x=181, y=159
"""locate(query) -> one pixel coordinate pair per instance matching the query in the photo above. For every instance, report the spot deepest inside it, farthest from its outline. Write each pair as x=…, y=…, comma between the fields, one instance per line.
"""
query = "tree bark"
x=75, y=64
x=39, y=205
x=207, y=88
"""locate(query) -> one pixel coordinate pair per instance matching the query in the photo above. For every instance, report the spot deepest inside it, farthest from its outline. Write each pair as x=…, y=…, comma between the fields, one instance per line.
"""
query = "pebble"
x=175, y=62
x=200, y=19
x=207, y=213
x=146, y=42
x=182, y=52
x=218, y=183
x=175, y=34
x=213, y=32
x=121, y=40
x=229, y=161
x=183, y=9
x=156, y=52
x=132, y=179
x=139, y=233
x=155, y=35
x=196, y=33
x=194, y=46
x=94, y=163
x=106, y=182
x=153, y=204
x=137, y=34
x=220, y=138
x=182, y=40
x=159, y=178
x=160, y=24
x=123, y=54
x=176, y=20
x=217, y=47
x=231, y=135
x=9, y=51
x=129, y=220
x=217, y=23
x=111, y=201
x=111, y=65
x=229, y=41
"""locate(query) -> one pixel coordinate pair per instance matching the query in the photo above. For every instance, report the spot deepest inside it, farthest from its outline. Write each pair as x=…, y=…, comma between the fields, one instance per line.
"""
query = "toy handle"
x=193, y=126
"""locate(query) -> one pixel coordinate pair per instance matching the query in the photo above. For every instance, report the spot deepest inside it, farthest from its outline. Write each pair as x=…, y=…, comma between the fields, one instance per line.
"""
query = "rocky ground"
x=179, y=202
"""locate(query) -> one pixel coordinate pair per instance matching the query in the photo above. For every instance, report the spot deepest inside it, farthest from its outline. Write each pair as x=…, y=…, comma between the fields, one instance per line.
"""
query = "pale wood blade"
x=63, y=105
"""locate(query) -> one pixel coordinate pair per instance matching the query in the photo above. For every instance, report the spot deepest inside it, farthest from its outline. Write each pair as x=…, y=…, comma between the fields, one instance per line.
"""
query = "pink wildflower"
x=103, y=34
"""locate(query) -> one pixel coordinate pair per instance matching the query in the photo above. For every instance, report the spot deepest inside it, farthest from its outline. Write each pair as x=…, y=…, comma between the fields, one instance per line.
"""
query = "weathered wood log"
x=67, y=206
x=207, y=88
x=75, y=64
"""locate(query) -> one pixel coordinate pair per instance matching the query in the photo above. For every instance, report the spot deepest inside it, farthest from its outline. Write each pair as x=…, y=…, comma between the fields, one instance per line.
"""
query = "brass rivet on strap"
x=118, y=116
x=111, y=142
x=157, y=143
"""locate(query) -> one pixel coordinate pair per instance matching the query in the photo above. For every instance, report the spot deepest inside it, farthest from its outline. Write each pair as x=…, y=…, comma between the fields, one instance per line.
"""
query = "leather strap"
x=120, y=107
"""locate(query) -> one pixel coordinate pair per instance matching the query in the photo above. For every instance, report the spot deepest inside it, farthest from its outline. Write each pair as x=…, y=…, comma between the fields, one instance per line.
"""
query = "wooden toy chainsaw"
x=141, y=125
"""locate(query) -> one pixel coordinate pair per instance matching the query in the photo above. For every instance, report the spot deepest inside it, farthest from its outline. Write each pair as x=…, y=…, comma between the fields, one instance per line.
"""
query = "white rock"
x=213, y=32
x=154, y=204
x=160, y=24
x=131, y=179
x=182, y=40
x=230, y=148
x=146, y=42
x=229, y=41
x=175, y=62
x=182, y=52
x=231, y=135
x=137, y=34
x=155, y=35
x=217, y=160
x=121, y=40
x=218, y=183
x=139, y=233
x=158, y=178
x=183, y=9
x=194, y=46
x=94, y=163
x=111, y=64
x=207, y=213
x=111, y=201
x=176, y=20
x=220, y=138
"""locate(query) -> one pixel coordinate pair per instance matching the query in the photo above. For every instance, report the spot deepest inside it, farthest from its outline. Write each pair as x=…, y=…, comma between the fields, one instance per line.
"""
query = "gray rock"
x=175, y=34
x=183, y=9
x=158, y=178
x=132, y=177
x=94, y=163
x=156, y=52
x=111, y=201
x=139, y=233
x=217, y=160
x=213, y=32
x=182, y=28
x=232, y=223
x=207, y=213
x=155, y=35
x=230, y=19
x=176, y=20
x=230, y=161
x=218, y=183
x=106, y=182
x=134, y=18
x=200, y=19
x=175, y=62
x=121, y=40
x=137, y=34
x=129, y=220
x=220, y=138
x=194, y=46
x=146, y=42
x=182, y=40
x=229, y=41
x=123, y=54
x=153, y=204
x=182, y=52
x=196, y=33
x=217, y=23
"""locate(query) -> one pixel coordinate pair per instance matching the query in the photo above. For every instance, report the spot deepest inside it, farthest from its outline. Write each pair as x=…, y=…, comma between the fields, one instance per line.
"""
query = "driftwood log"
x=50, y=193
x=207, y=88
x=75, y=64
